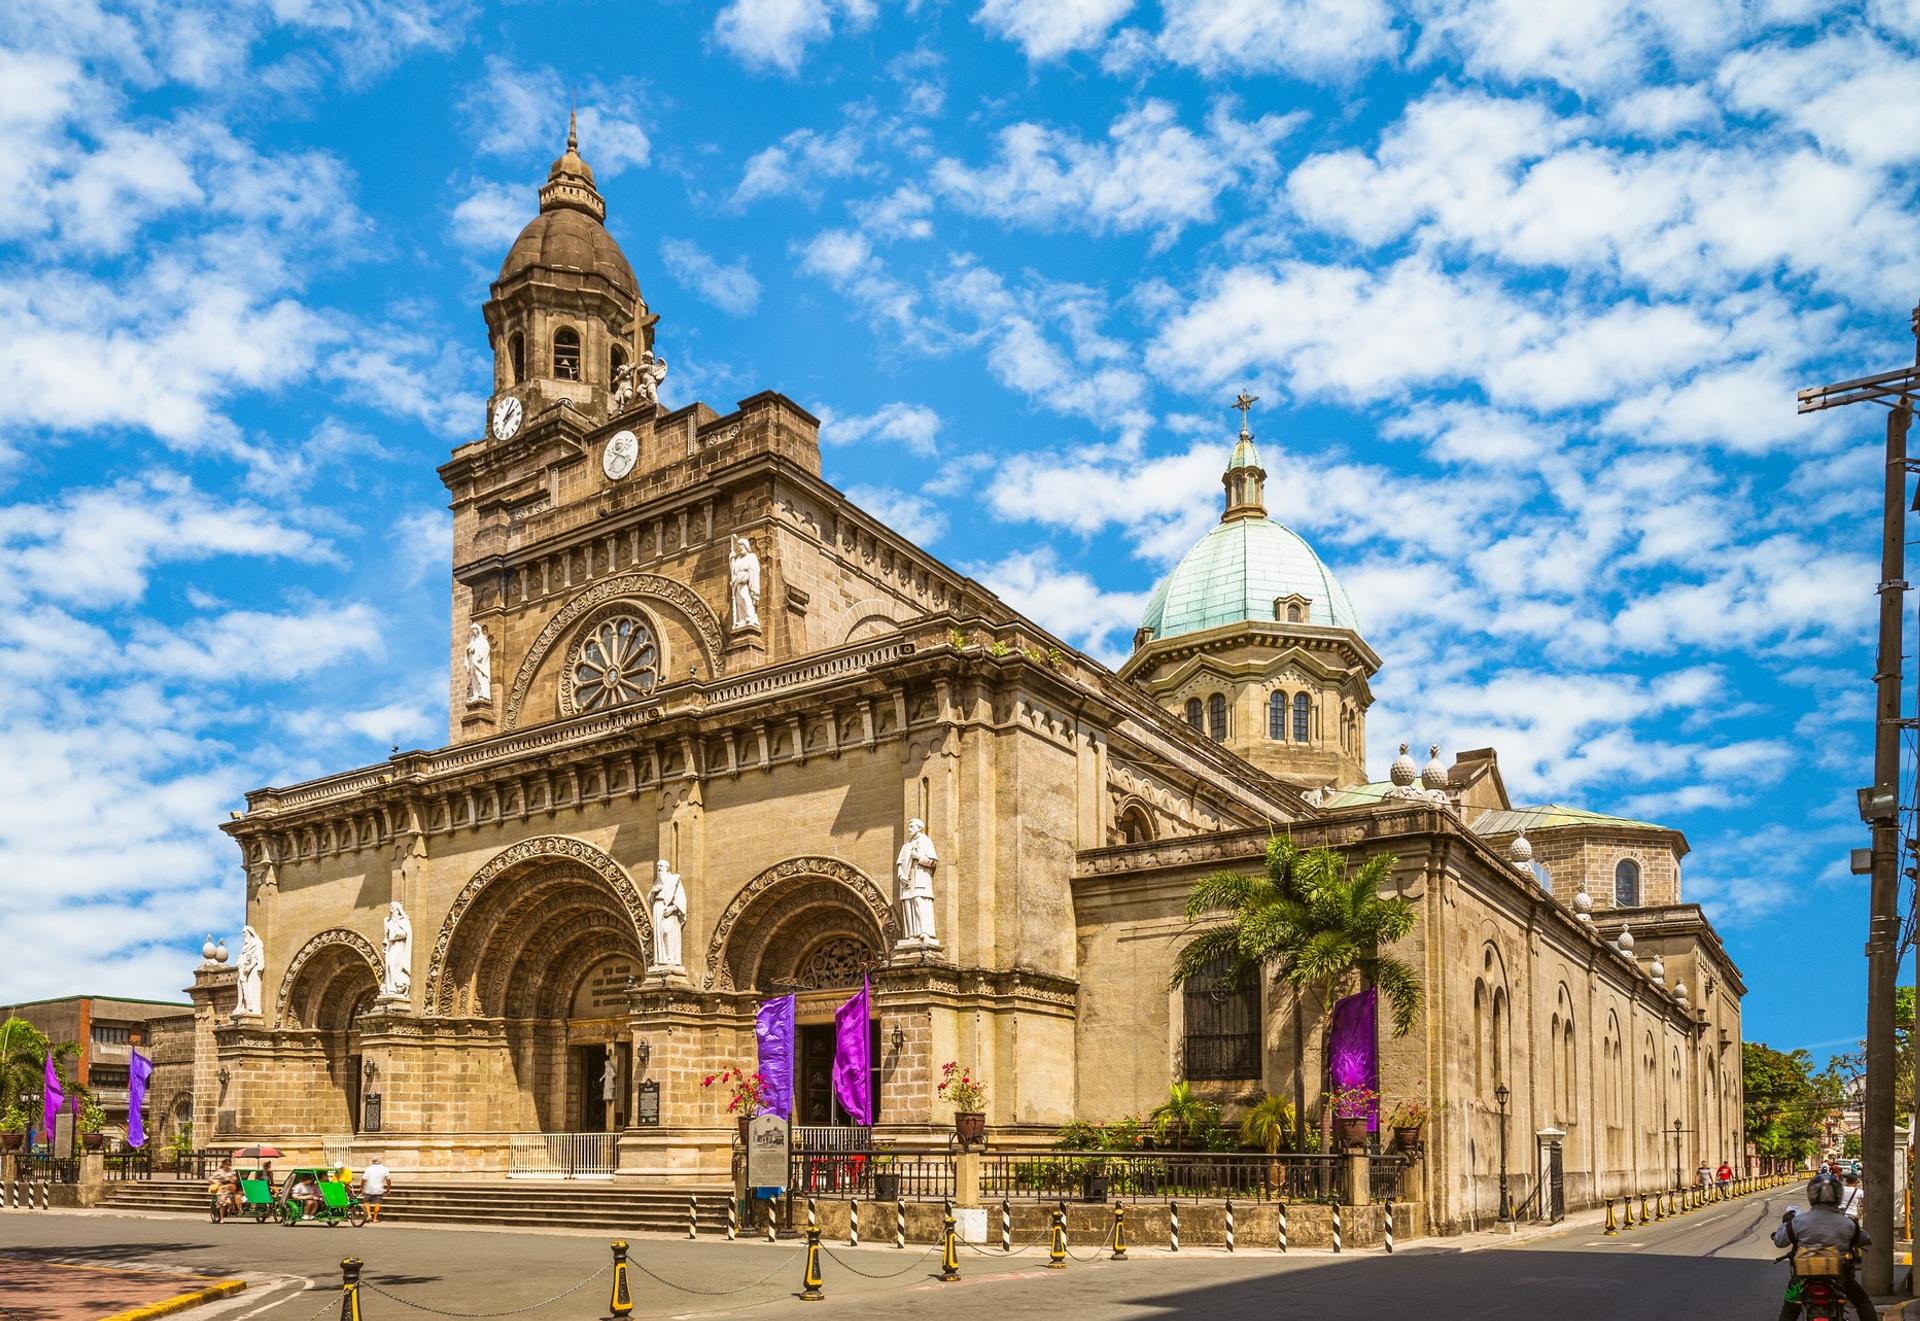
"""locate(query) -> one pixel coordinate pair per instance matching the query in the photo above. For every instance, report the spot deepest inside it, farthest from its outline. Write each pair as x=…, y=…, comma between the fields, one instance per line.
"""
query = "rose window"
x=617, y=662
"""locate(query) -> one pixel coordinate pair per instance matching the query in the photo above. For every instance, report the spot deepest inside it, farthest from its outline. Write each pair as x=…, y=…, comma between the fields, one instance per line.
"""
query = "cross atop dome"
x=1245, y=404
x=1245, y=479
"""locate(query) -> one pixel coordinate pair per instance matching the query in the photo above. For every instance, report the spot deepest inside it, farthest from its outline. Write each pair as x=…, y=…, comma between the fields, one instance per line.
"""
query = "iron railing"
x=1106, y=1176
x=873, y=1173
x=562, y=1155
x=41, y=1167
x=129, y=1165
x=1384, y=1175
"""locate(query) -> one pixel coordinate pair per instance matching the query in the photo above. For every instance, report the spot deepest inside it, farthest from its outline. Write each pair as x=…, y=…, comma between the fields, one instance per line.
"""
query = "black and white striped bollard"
x=693, y=1216
x=853, y=1222
x=900, y=1222
x=1173, y=1226
x=1337, y=1245
x=1006, y=1223
x=1283, y=1226
x=1389, y=1229
x=772, y=1202
x=1229, y=1224
x=733, y=1219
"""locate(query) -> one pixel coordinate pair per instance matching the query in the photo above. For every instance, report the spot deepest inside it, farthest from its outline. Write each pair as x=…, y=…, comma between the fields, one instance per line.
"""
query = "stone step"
x=574, y=1206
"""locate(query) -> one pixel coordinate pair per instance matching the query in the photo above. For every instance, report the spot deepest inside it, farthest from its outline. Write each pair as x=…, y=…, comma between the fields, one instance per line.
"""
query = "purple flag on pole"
x=51, y=1098
x=773, y=1032
x=139, y=1069
x=852, y=1060
x=1355, y=1047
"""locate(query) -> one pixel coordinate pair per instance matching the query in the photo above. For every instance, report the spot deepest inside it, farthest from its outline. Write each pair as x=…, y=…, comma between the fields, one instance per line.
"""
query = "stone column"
x=213, y=993
x=1359, y=1178
x=92, y=1189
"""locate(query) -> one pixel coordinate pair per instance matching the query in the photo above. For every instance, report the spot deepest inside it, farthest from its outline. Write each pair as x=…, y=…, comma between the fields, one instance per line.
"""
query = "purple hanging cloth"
x=852, y=1058
x=51, y=1098
x=773, y=1033
x=139, y=1070
x=1354, y=1047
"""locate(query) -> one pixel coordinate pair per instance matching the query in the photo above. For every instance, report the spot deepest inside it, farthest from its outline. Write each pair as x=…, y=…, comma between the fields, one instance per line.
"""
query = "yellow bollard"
x=621, y=1301
x=1627, y=1202
x=1644, y=1218
x=950, y=1254
x=1119, y=1233
x=1613, y=1230
x=1057, y=1250
x=810, y=1277
x=350, y=1289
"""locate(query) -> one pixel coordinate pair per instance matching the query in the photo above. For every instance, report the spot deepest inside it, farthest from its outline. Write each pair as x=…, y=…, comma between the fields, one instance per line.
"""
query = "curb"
x=181, y=1302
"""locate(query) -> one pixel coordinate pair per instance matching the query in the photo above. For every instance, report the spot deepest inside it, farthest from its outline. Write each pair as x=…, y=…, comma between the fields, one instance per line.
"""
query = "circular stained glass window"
x=618, y=661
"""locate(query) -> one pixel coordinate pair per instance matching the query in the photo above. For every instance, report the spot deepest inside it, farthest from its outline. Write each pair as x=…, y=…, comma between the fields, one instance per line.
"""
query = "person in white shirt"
x=1854, y=1200
x=374, y=1182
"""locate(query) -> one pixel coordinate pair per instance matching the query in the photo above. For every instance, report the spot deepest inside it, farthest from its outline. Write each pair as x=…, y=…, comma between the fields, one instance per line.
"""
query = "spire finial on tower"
x=1245, y=404
x=573, y=124
x=1244, y=477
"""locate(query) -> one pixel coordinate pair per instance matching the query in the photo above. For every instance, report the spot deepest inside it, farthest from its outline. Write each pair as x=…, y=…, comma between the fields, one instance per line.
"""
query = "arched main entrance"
x=330, y=982
x=812, y=927
x=548, y=936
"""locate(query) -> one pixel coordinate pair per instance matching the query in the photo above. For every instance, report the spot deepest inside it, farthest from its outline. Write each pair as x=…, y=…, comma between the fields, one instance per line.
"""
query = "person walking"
x=1725, y=1175
x=374, y=1182
x=1853, y=1201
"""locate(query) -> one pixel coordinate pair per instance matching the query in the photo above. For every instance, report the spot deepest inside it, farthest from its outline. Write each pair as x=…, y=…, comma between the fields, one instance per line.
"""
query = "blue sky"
x=1525, y=291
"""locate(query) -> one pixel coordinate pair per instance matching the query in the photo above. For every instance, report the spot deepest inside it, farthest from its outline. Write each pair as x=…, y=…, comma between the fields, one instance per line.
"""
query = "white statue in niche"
x=479, y=666
x=253, y=963
x=667, y=906
x=743, y=572
x=610, y=1077
x=913, y=877
x=396, y=948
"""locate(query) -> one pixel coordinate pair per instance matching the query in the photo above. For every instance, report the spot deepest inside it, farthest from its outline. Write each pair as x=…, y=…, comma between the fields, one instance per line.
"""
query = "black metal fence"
x=129, y=1166
x=1105, y=1176
x=42, y=1167
x=873, y=1173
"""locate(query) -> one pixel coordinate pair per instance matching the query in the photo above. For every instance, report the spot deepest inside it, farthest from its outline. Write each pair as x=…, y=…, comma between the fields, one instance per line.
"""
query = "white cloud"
x=1592, y=46
x=844, y=258
x=731, y=288
x=1330, y=39
x=794, y=166
x=914, y=517
x=914, y=427
x=1065, y=601
x=517, y=111
x=492, y=215
x=1048, y=29
x=244, y=645
x=902, y=214
x=1850, y=91
x=775, y=34
x=1152, y=172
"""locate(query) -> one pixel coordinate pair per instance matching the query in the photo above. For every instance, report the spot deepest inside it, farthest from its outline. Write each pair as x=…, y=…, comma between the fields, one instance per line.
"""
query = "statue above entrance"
x=913, y=882
x=743, y=574
x=667, y=906
x=396, y=949
x=253, y=962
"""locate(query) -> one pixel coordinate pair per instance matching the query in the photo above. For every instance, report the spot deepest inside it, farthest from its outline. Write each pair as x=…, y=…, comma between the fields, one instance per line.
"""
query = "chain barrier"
x=422, y=1307
x=838, y=1260
x=641, y=1266
x=990, y=1252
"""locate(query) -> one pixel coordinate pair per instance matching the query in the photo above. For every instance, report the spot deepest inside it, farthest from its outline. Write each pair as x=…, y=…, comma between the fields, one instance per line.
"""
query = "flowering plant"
x=1408, y=1114
x=1353, y=1102
x=748, y=1090
x=958, y=1086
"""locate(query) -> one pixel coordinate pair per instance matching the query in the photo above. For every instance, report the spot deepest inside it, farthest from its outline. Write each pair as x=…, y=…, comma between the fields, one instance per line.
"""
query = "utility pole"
x=1880, y=802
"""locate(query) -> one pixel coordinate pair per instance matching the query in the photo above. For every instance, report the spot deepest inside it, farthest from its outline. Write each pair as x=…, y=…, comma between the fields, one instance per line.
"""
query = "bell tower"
x=566, y=320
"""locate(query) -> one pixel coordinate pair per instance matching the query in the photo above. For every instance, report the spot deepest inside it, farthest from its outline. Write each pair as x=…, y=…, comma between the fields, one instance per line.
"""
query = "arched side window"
x=1499, y=1037
x=566, y=354
x=517, y=357
x=1136, y=827
x=1295, y=615
x=1195, y=713
x=1480, y=1087
x=616, y=359
x=1217, y=718
x=1277, y=717
x=1626, y=884
x=1301, y=706
x=1222, y=1025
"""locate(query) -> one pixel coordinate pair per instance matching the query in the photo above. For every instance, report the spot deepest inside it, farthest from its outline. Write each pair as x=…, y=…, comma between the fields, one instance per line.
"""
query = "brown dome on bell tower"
x=566, y=312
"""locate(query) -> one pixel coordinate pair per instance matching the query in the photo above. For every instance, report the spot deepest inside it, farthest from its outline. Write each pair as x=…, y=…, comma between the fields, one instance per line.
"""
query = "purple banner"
x=852, y=1060
x=1354, y=1047
x=51, y=1097
x=773, y=1033
x=139, y=1070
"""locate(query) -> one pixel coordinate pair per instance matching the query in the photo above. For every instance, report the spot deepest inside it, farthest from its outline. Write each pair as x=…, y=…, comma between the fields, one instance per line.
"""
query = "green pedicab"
x=337, y=1201
x=256, y=1196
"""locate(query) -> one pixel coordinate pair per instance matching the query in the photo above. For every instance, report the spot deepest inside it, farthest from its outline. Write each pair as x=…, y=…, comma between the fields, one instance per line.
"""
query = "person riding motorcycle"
x=1824, y=1225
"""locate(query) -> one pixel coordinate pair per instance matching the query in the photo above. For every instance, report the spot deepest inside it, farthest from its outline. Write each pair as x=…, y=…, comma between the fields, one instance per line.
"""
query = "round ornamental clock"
x=622, y=451
x=507, y=414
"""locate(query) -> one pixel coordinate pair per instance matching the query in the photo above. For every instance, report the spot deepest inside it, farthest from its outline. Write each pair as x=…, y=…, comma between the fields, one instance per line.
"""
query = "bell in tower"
x=566, y=320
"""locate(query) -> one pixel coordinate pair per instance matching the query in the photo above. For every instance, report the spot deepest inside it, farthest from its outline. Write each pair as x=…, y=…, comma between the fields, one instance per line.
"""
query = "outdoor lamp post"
x=1501, y=1095
x=1678, y=1182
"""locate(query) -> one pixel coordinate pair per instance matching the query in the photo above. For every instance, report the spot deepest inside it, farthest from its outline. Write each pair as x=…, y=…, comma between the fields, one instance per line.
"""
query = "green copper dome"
x=1235, y=574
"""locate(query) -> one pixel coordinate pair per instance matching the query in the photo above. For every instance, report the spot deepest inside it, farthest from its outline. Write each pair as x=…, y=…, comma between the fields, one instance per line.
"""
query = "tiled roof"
x=1235, y=574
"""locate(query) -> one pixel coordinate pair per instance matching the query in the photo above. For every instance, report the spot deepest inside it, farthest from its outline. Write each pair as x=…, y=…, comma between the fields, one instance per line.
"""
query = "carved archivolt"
x=638, y=586
x=331, y=938
x=863, y=893
x=438, y=995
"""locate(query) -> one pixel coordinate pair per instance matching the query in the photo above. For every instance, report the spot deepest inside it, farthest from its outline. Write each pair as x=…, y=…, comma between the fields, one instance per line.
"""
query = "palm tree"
x=1184, y=1115
x=23, y=1066
x=1314, y=927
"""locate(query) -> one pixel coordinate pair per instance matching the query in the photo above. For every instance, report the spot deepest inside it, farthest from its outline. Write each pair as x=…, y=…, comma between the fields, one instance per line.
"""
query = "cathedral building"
x=718, y=734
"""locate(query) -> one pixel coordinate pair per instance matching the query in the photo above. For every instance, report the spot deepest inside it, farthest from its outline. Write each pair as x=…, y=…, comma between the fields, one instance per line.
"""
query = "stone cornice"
x=1255, y=632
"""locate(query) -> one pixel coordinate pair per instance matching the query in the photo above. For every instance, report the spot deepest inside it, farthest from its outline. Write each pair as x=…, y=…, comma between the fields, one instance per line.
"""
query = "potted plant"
x=13, y=1127
x=1352, y=1108
x=886, y=1179
x=968, y=1097
x=746, y=1093
x=92, y=1120
x=1184, y=1118
x=1407, y=1119
x=1267, y=1127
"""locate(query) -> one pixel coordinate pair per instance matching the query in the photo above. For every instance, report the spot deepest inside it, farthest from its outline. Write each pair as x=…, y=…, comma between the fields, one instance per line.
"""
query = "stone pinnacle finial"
x=573, y=129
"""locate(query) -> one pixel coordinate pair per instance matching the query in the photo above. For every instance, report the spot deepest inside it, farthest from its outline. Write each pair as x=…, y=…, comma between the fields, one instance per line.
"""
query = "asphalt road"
x=1710, y=1265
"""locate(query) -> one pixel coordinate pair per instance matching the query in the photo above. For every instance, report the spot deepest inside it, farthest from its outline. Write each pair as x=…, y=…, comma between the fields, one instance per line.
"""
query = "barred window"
x=1222, y=1025
x=1626, y=884
x=1300, y=708
x=1217, y=718
x=566, y=354
x=1277, y=717
x=111, y=1036
x=1194, y=716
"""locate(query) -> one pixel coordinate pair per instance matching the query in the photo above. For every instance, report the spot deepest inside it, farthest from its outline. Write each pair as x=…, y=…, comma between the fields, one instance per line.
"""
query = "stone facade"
x=634, y=717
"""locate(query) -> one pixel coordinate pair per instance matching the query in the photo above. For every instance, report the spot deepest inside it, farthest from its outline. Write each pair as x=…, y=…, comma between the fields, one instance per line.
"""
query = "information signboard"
x=767, y=1156
x=649, y=1116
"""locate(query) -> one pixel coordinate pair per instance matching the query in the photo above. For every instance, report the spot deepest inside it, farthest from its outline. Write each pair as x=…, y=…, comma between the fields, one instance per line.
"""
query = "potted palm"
x=13, y=1127
x=964, y=1092
x=92, y=1120
x=746, y=1094
x=886, y=1179
x=1267, y=1127
x=1407, y=1119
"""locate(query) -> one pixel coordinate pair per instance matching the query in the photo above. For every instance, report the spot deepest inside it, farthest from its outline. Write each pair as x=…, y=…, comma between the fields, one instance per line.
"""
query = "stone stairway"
x=569, y=1204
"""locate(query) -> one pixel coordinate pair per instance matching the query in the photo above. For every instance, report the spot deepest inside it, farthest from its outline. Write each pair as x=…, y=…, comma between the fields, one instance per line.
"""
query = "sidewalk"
x=58, y=1291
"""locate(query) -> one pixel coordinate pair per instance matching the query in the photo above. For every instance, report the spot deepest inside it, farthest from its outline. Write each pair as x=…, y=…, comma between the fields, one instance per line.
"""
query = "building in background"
x=107, y=1029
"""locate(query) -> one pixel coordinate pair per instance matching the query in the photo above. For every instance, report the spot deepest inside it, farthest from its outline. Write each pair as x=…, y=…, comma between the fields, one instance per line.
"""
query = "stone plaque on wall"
x=767, y=1152
x=603, y=992
x=649, y=1113
x=370, y=1119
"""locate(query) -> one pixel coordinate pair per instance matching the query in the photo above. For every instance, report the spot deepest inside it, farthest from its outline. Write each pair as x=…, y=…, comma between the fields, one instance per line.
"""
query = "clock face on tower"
x=507, y=412
x=617, y=460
